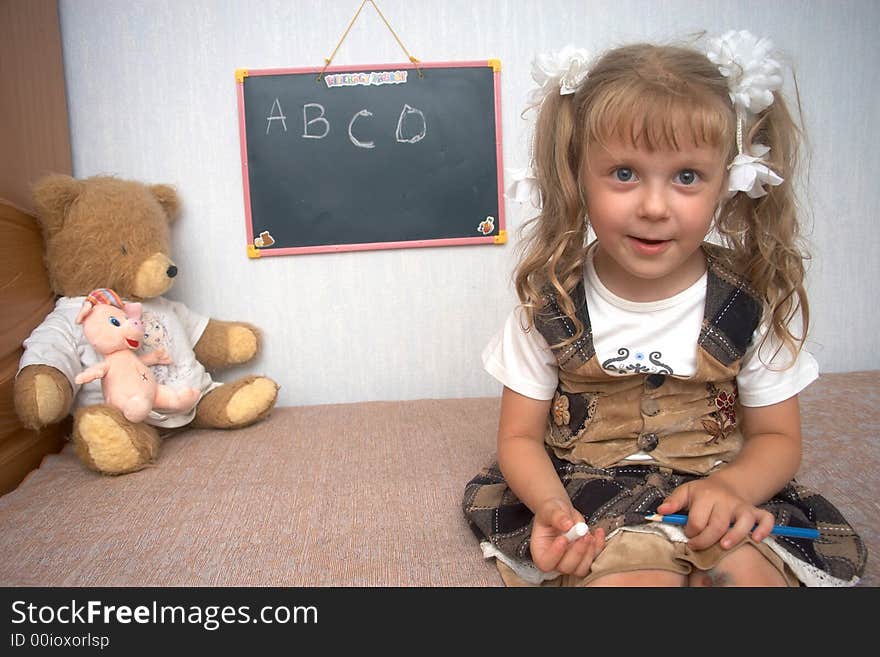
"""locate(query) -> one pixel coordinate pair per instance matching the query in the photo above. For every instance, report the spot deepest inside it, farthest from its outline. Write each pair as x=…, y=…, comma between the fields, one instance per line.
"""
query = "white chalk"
x=580, y=529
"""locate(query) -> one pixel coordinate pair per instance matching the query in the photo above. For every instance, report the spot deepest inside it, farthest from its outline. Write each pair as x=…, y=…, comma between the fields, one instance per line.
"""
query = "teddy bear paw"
x=42, y=396
x=243, y=344
x=238, y=404
x=252, y=401
x=106, y=442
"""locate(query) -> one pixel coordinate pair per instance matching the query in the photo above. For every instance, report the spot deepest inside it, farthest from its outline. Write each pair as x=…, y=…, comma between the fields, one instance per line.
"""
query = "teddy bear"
x=105, y=232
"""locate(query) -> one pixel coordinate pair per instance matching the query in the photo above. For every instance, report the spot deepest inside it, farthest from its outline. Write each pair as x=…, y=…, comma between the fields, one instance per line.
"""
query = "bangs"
x=661, y=119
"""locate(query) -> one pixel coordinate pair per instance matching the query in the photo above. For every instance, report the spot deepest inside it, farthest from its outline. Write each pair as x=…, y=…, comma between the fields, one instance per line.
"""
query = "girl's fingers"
x=676, y=500
x=562, y=521
x=698, y=519
x=574, y=554
x=597, y=545
x=739, y=530
x=592, y=544
x=708, y=531
x=563, y=518
x=548, y=557
x=765, y=526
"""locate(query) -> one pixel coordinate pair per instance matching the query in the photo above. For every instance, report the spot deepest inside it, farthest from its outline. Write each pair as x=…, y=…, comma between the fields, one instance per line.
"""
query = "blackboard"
x=371, y=157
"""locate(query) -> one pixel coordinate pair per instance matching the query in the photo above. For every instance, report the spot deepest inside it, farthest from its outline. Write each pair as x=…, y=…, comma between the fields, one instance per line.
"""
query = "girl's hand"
x=552, y=551
x=716, y=511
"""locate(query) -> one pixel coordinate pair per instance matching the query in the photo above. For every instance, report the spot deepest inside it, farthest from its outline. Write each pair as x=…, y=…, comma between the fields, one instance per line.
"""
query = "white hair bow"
x=749, y=173
x=559, y=72
x=752, y=77
x=523, y=186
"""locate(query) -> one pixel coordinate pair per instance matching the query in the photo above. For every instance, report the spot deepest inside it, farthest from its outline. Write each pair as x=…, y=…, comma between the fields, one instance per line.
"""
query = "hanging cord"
x=328, y=60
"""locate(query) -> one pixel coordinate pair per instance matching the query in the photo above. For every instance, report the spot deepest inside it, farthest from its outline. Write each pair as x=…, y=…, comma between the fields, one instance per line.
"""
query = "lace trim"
x=805, y=572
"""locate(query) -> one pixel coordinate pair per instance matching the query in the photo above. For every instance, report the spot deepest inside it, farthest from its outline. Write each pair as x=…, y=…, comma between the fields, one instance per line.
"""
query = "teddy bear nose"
x=172, y=271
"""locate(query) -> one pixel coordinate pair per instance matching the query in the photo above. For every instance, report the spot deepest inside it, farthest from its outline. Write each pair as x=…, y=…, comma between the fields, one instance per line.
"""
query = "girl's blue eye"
x=115, y=321
x=687, y=177
x=624, y=174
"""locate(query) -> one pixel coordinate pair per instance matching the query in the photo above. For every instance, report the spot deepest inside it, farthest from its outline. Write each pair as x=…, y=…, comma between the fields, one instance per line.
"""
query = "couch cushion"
x=342, y=495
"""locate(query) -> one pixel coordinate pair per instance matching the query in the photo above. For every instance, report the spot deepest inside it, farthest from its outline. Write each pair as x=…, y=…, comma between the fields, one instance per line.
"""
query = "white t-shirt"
x=59, y=342
x=635, y=337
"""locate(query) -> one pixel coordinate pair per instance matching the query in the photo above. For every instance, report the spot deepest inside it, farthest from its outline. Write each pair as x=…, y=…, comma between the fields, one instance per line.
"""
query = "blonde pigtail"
x=554, y=248
x=764, y=232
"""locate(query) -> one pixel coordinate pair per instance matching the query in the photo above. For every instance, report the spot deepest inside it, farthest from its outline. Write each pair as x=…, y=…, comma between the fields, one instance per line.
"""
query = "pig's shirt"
x=59, y=342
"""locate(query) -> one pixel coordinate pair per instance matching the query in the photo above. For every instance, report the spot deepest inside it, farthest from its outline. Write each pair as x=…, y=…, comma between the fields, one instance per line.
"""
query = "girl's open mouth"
x=133, y=344
x=648, y=247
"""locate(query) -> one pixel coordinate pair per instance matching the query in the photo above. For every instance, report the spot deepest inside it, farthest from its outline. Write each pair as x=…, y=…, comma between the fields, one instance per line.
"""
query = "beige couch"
x=338, y=495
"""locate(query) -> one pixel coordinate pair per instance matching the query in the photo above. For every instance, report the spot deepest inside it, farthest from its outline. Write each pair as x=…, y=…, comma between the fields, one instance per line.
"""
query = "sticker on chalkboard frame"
x=364, y=157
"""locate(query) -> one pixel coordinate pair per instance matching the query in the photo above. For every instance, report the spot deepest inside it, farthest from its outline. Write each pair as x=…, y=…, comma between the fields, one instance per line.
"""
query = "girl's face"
x=650, y=211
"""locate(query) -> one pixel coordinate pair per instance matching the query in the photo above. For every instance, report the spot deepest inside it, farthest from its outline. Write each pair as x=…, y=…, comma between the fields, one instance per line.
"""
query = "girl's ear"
x=53, y=196
x=168, y=199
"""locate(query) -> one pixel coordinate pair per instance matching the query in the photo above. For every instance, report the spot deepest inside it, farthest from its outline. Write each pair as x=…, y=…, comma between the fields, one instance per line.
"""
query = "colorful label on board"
x=365, y=79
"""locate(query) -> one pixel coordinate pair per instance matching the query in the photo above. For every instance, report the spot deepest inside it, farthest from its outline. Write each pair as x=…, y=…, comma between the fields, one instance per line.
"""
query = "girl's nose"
x=653, y=204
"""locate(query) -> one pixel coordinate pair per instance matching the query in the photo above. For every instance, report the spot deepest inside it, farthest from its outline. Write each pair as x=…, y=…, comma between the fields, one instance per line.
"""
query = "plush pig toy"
x=115, y=331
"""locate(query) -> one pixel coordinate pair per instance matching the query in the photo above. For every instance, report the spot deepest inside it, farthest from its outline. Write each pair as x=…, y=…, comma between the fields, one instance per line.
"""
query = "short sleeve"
x=57, y=342
x=521, y=359
x=193, y=323
x=770, y=373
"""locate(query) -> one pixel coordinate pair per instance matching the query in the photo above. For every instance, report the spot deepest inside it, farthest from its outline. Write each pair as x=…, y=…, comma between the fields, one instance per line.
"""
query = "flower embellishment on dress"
x=561, y=414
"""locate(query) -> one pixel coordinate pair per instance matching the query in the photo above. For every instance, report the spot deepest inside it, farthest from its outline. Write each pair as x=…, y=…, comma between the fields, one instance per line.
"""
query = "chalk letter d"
x=411, y=116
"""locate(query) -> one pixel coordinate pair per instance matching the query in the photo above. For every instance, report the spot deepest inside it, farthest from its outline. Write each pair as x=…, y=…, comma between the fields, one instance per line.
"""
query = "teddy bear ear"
x=168, y=199
x=53, y=195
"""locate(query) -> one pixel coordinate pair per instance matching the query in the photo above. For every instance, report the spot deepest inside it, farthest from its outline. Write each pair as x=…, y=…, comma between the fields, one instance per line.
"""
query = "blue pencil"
x=779, y=530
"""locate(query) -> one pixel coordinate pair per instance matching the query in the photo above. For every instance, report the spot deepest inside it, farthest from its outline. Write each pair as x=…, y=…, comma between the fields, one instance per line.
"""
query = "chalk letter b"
x=320, y=117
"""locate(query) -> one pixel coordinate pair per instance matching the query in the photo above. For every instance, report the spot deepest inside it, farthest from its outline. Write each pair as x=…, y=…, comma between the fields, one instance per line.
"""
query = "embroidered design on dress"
x=723, y=420
x=637, y=367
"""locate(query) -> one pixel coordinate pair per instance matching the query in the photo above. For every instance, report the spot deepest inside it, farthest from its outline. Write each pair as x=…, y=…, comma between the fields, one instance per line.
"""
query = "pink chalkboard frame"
x=256, y=252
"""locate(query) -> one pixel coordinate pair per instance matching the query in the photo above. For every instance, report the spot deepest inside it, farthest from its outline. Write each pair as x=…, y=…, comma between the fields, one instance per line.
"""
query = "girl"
x=650, y=371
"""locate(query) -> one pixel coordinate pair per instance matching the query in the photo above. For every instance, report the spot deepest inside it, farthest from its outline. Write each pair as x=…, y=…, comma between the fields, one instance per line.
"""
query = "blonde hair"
x=662, y=97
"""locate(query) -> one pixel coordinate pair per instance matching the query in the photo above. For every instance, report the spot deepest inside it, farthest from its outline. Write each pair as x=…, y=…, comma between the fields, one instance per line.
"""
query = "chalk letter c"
x=354, y=140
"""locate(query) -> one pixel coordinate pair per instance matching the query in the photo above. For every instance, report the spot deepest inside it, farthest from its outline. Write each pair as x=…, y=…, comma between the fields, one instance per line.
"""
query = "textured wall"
x=152, y=96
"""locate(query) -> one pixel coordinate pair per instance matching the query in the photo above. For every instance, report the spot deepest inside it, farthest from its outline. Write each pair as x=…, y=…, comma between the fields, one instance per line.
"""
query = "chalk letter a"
x=276, y=117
